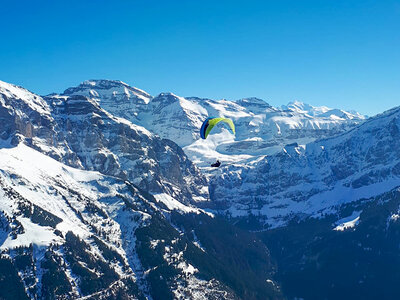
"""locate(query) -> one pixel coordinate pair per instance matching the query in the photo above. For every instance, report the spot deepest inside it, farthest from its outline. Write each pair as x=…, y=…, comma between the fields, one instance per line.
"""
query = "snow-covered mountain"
x=270, y=168
x=106, y=193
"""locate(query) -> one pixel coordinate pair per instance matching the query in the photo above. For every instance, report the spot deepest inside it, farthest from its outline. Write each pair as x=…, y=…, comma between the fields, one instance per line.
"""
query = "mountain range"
x=106, y=192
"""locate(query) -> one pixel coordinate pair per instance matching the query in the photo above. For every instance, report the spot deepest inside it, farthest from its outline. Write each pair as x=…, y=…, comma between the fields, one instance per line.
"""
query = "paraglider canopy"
x=209, y=124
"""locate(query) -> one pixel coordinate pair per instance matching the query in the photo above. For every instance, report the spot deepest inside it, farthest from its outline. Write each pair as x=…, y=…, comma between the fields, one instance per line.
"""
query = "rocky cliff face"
x=115, y=146
x=265, y=164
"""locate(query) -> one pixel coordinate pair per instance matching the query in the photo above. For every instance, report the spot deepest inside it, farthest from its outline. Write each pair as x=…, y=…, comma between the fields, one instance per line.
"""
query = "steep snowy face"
x=114, y=96
x=316, y=178
x=24, y=98
x=26, y=116
x=21, y=112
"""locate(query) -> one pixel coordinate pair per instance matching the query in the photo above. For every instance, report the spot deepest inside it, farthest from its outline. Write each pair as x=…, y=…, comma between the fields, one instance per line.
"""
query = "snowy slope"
x=48, y=204
x=26, y=116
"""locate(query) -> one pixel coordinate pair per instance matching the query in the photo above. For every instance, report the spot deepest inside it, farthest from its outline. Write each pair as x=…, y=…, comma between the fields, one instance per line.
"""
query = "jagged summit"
x=164, y=98
x=178, y=118
x=114, y=96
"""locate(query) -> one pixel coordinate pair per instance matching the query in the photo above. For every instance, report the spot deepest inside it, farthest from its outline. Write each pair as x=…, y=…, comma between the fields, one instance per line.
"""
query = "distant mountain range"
x=106, y=192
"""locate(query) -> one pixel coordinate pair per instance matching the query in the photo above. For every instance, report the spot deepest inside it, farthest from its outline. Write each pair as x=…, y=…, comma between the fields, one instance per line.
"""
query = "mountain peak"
x=253, y=103
x=253, y=100
x=321, y=111
x=300, y=106
x=167, y=94
x=12, y=91
x=93, y=87
x=103, y=83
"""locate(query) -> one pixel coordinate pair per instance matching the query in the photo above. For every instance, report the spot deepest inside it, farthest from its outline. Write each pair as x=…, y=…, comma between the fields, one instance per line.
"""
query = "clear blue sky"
x=343, y=54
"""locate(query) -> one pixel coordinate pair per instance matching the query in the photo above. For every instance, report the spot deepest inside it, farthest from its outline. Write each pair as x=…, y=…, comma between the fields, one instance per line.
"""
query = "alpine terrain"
x=106, y=192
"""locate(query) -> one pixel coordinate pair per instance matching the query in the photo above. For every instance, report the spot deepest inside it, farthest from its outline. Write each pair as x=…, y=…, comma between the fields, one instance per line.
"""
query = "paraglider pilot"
x=216, y=164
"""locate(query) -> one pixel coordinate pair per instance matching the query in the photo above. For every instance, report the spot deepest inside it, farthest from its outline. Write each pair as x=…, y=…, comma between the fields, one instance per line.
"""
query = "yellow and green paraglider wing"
x=210, y=123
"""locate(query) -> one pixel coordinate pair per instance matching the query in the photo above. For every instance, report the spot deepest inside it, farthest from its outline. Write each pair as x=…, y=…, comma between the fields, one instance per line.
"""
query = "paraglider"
x=209, y=124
